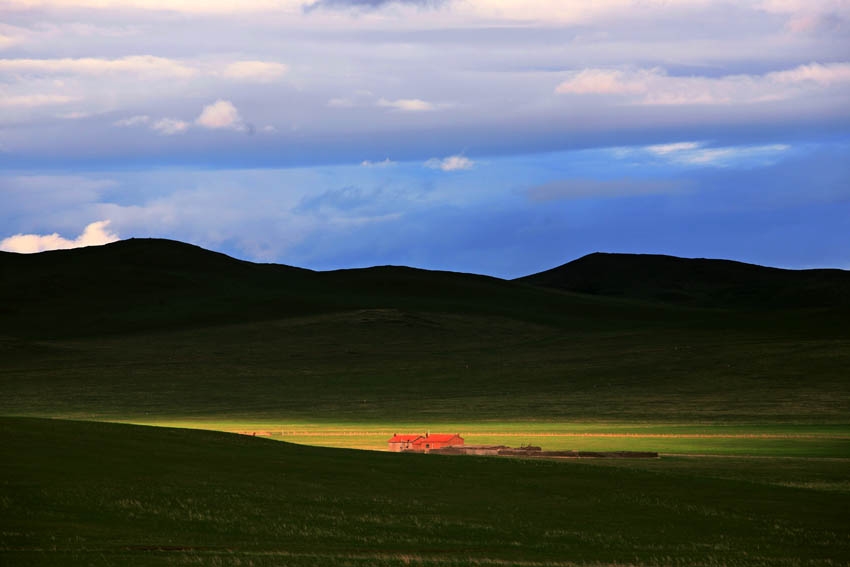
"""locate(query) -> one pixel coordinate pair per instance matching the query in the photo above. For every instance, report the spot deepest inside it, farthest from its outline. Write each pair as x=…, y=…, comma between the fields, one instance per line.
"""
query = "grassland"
x=77, y=493
x=352, y=379
x=420, y=368
x=749, y=406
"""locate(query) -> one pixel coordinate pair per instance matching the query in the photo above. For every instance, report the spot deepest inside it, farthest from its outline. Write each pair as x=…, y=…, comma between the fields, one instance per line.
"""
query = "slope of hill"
x=697, y=282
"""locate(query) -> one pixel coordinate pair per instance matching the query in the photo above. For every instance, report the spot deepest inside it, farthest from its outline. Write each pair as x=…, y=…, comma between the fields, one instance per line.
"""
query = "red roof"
x=437, y=438
x=403, y=438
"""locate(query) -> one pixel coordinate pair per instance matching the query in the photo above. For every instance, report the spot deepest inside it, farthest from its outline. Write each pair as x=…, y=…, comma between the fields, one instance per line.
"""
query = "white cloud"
x=545, y=10
x=822, y=75
x=74, y=115
x=665, y=149
x=655, y=87
x=170, y=126
x=6, y=41
x=451, y=163
x=259, y=71
x=137, y=120
x=360, y=97
x=216, y=116
x=604, y=81
x=135, y=64
x=147, y=66
x=163, y=126
x=94, y=234
x=698, y=155
x=384, y=163
x=220, y=115
x=809, y=17
x=33, y=100
x=723, y=157
x=806, y=23
x=407, y=104
x=186, y=6
x=341, y=103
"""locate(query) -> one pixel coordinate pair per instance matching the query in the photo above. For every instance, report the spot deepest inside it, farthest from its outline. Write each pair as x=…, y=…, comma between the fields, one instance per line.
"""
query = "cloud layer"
x=370, y=4
x=466, y=134
x=414, y=78
x=94, y=234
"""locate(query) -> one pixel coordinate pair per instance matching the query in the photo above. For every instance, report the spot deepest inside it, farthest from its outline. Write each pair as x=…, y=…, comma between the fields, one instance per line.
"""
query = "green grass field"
x=81, y=493
x=391, y=365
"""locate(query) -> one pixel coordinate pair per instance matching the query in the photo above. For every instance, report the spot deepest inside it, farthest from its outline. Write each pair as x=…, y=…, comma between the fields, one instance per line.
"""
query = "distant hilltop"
x=696, y=282
x=138, y=284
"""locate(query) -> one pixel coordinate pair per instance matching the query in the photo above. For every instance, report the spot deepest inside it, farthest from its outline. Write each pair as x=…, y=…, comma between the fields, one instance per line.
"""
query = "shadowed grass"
x=380, y=366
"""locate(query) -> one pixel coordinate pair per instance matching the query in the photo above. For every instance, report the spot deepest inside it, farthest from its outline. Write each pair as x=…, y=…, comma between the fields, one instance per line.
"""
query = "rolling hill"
x=697, y=282
x=144, y=284
x=145, y=329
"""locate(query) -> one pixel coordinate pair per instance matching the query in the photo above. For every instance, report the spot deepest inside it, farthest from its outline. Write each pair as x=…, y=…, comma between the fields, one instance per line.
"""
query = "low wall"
x=580, y=454
x=535, y=452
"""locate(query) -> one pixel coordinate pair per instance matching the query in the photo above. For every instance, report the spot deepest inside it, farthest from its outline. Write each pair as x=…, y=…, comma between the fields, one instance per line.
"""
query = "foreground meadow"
x=82, y=493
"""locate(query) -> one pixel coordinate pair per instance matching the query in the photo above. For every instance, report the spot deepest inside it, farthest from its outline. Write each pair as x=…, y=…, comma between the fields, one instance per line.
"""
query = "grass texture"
x=81, y=493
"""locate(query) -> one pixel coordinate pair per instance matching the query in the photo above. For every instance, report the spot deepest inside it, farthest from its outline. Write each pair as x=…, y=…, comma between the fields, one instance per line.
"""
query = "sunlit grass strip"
x=511, y=428
x=756, y=440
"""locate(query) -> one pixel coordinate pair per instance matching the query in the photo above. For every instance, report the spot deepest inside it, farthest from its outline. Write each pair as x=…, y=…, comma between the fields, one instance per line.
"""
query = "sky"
x=487, y=136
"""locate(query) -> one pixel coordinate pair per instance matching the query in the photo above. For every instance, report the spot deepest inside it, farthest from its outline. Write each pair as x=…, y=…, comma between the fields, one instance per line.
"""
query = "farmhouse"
x=424, y=443
x=402, y=442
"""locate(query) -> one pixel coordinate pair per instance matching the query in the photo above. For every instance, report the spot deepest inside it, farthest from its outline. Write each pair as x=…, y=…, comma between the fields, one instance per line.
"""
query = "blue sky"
x=486, y=136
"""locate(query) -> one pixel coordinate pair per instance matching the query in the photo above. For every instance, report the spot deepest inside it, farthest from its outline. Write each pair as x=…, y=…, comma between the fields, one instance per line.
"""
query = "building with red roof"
x=399, y=443
x=424, y=443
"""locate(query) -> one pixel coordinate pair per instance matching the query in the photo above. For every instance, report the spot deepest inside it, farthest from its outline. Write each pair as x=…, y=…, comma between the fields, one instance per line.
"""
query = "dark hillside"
x=148, y=328
x=138, y=284
x=148, y=284
x=697, y=282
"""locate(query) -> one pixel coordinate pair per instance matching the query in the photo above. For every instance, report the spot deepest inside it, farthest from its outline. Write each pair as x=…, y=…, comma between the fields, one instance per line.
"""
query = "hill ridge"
x=700, y=282
x=141, y=243
x=142, y=284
